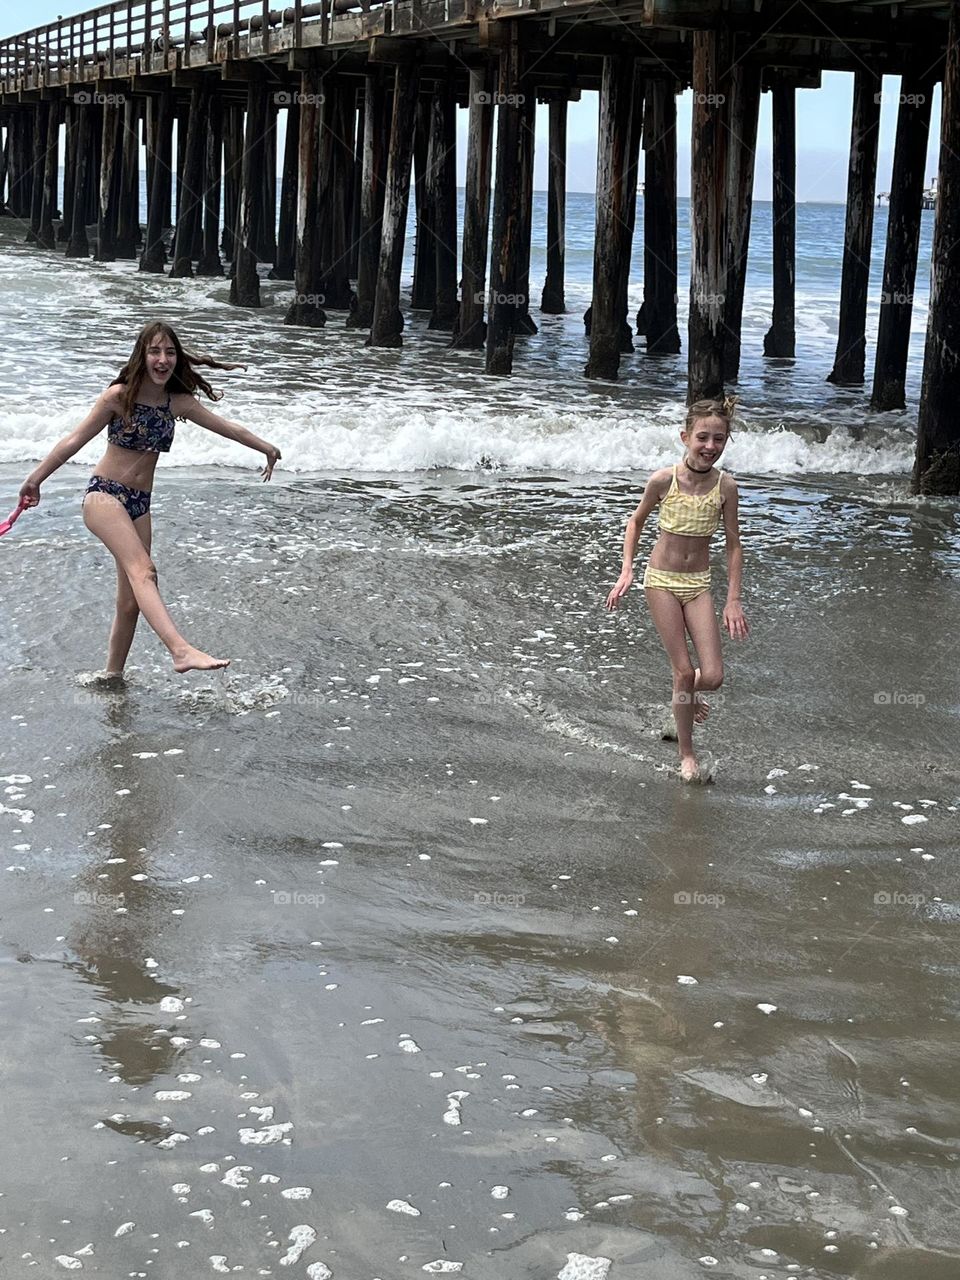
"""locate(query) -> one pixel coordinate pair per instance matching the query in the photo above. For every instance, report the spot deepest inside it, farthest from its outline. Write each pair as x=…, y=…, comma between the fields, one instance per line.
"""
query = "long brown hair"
x=184, y=378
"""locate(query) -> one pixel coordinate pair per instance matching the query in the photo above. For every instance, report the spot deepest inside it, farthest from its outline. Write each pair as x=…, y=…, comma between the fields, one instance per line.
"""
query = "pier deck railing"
x=131, y=37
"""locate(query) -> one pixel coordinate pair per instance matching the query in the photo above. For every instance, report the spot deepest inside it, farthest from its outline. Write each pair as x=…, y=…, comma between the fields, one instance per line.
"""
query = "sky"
x=823, y=126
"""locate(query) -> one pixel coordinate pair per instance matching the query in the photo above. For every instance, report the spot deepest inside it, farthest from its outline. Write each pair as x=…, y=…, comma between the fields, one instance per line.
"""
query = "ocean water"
x=332, y=403
x=398, y=949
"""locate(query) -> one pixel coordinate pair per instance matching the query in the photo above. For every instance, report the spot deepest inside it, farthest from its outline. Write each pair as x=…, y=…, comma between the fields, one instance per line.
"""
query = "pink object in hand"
x=12, y=518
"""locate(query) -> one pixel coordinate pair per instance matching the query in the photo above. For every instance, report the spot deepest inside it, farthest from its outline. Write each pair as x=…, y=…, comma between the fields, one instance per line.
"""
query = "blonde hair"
x=711, y=409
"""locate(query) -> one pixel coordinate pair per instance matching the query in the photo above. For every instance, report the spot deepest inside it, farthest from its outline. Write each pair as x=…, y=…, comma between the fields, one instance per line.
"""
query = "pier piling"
x=937, y=465
x=232, y=163
x=709, y=197
x=245, y=282
x=617, y=146
x=742, y=113
x=287, y=234
x=209, y=263
x=780, y=338
x=307, y=306
x=46, y=235
x=903, y=240
x=424, y=286
x=128, y=212
x=159, y=152
x=442, y=183
x=848, y=365
x=387, y=323
x=552, y=300
x=376, y=132
x=470, y=330
x=41, y=115
x=78, y=246
x=522, y=319
x=505, y=246
x=108, y=186
x=660, y=219
x=189, y=222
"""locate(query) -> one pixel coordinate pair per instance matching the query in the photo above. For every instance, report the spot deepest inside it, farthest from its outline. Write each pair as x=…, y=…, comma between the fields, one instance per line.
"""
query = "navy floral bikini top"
x=150, y=429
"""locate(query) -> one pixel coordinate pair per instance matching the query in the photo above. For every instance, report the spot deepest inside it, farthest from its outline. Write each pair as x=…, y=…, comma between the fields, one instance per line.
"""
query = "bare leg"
x=107, y=518
x=700, y=618
x=668, y=617
x=128, y=611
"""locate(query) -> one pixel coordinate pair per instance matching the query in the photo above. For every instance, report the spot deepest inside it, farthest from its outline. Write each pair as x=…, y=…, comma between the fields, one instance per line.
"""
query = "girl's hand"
x=623, y=584
x=735, y=621
x=30, y=493
x=273, y=457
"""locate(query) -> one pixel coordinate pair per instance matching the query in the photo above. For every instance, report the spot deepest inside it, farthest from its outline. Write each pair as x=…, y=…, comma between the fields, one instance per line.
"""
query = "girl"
x=158, y=383
x=692, y=497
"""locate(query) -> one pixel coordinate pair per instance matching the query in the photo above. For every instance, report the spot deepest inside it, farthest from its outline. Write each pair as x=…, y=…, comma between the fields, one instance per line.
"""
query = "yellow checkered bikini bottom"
x=685, y=586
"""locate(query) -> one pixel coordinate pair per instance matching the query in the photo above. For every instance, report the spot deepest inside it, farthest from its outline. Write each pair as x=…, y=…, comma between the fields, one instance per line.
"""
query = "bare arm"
x=651, y=496
x=733, y=616
x=185, y=406
x=107, y=406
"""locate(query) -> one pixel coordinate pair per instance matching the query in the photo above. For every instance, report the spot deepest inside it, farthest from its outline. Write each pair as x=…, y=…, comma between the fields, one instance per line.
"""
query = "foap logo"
x=498, y=899
x=86, y=98
x=894, y=898
x=493, y=298
x=301, y=698
x=285, y=98
x=484, y=98
x=901, y=99
x=295, y=898
x=695, y=898
x=84, y=898
x=898, y=698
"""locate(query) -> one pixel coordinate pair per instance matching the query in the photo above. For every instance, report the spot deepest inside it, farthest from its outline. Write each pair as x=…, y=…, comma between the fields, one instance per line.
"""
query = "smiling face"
x=161, y=359
x=705, y=441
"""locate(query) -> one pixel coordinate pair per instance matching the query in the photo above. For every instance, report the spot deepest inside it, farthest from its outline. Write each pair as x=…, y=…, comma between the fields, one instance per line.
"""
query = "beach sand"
x=408, y=907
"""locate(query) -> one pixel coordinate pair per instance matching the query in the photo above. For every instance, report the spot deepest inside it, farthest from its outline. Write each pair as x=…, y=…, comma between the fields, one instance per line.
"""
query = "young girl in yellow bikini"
x=693, y=497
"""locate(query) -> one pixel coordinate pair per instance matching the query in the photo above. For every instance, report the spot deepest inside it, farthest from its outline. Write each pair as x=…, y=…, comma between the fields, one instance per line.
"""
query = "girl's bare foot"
x=104, y=680
x=689, y=769
x=195, y=660
x=701, y=708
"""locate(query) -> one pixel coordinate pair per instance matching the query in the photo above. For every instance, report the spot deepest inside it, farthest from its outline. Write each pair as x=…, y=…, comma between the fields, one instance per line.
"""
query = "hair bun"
x=729, y=404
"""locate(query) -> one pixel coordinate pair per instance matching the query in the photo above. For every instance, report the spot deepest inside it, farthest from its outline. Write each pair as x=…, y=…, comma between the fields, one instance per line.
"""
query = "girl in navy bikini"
x=159, y=383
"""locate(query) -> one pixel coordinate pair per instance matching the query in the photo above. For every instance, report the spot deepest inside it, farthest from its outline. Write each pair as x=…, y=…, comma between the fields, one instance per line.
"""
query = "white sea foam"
x=392, y=437
x=301, y=1238
x=403, y=1206
x=580, y=1266
x=266, y=1136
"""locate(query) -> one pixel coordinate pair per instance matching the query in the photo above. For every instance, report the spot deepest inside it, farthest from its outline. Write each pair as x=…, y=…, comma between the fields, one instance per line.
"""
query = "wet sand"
x=408, y=911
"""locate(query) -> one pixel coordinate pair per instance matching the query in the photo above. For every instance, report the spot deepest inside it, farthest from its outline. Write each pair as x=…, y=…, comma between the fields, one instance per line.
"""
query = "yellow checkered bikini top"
x=695, y=515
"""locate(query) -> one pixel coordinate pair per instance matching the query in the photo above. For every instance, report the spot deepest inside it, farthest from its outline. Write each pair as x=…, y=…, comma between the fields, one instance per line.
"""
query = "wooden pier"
x=370, y=93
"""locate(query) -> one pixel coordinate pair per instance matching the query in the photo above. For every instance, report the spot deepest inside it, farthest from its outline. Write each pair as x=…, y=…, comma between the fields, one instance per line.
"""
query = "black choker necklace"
x=696, y=470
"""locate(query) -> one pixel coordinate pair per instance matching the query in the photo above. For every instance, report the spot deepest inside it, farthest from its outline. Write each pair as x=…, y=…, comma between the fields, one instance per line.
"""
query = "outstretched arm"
x=733, y=615
x=651, y=496
x=185, y=406
x=106, y=407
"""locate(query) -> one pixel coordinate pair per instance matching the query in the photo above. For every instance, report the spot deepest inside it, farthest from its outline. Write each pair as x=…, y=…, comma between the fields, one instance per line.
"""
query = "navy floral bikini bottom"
x=135, y=501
